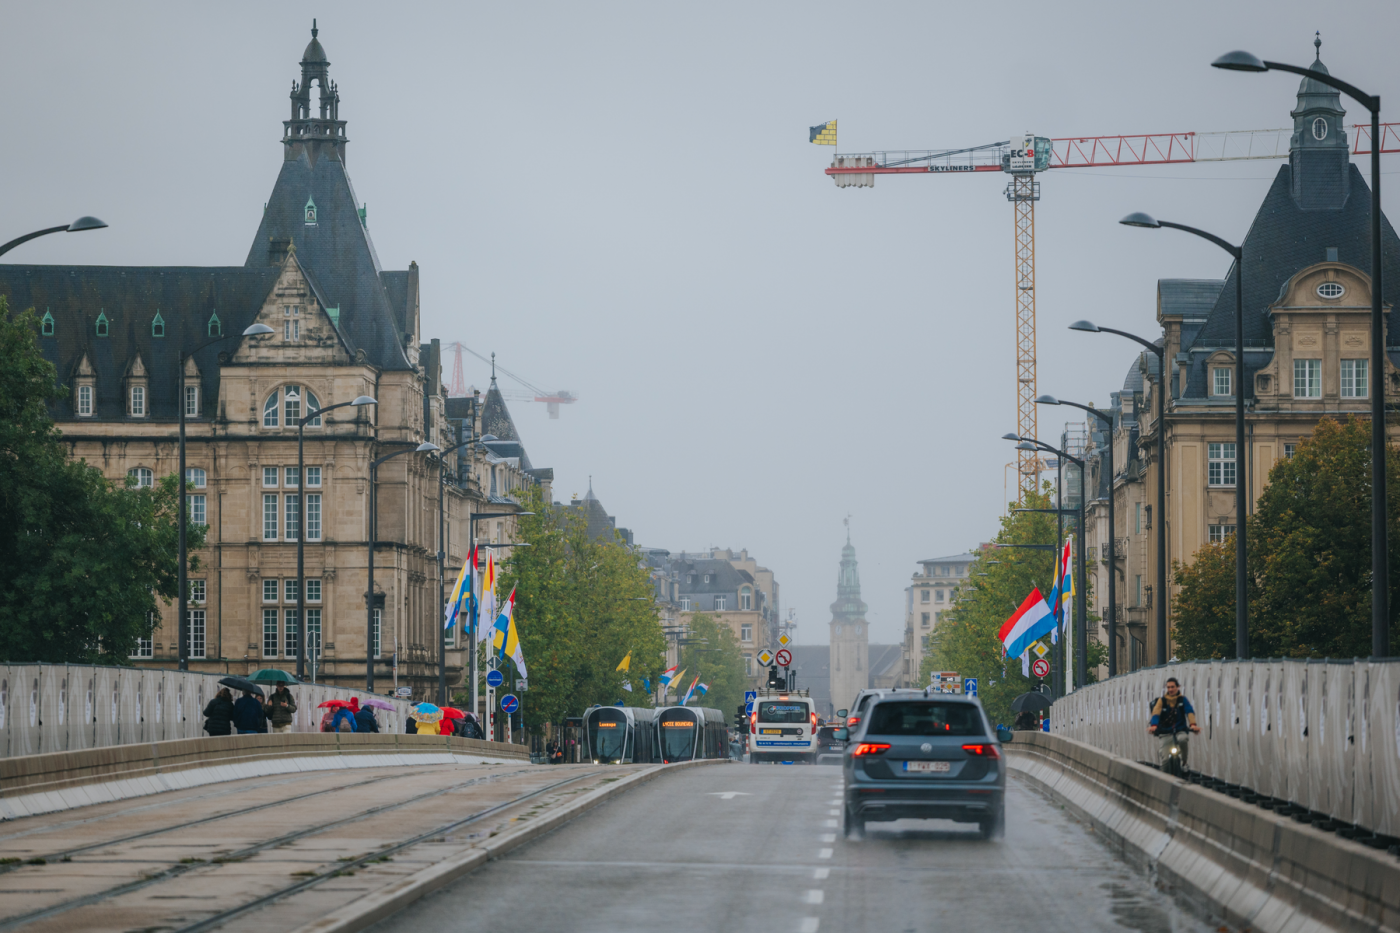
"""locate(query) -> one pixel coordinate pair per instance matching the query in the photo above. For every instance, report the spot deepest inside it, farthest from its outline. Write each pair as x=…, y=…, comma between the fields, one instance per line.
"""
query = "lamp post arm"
x=29, y=236
x=1106, y=416
x=1370, y=102
x=1160, y=351
x=1226, y=245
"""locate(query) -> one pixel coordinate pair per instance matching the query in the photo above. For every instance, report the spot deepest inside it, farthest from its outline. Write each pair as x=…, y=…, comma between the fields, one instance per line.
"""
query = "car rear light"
x=814, y=720
x=870, y=748
x=852, y=721
x=982, y=751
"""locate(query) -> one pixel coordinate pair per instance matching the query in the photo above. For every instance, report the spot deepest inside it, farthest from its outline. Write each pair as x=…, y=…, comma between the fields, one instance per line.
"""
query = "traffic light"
x=739, y=720
x=775, y=681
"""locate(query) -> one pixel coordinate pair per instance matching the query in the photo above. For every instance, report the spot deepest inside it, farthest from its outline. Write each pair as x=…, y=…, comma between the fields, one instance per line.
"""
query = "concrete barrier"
x=34, y=784
x=1242, y=865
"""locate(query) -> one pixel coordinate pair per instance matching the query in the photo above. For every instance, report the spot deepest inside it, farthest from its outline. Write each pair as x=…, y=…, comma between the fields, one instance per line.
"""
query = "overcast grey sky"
x=620, y=200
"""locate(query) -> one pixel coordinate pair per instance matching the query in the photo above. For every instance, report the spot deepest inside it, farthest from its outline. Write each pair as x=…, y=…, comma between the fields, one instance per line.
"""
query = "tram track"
x=183, y=868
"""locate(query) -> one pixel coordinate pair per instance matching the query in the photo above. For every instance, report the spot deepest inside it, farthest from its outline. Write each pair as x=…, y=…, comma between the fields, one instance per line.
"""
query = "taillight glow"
x=852, y=722
x=814, y=720
x=870, y=748
x=982, y=751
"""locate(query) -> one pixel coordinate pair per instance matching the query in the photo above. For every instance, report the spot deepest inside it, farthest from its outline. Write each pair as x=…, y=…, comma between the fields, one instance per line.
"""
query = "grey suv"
x=922, y=756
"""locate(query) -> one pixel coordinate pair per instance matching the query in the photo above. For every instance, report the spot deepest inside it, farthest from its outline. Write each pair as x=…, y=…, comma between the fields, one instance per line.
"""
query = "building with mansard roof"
x=342, y=326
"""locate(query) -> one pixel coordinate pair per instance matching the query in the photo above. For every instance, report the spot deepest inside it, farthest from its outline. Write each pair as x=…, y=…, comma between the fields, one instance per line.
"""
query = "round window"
x=1319, y=128
x=1330, y=290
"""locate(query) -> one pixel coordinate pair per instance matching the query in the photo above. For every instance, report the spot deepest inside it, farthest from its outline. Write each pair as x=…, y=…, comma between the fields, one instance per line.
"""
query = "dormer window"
x=216, y=327
x=1331, y=290
x=1319, y=128
x=137, y=407
x=1220, y=384
x=102, y=324
x=310, y=212
x=85, y=401
x=158, y=326
x=46, y=325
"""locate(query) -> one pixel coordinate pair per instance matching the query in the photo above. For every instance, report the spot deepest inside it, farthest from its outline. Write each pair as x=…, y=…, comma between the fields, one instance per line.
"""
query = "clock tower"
x=850, y=641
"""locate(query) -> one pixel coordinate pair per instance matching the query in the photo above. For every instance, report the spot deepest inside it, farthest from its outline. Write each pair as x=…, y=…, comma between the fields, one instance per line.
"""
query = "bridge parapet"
x=1324, y=735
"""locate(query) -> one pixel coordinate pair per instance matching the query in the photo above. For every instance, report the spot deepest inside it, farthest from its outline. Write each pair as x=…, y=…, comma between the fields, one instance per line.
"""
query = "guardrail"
x=1324, y=735
x=66, y=707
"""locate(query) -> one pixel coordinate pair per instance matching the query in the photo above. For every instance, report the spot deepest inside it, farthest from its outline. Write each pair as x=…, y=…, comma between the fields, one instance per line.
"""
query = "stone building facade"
x=342, y=327
x=932, y=590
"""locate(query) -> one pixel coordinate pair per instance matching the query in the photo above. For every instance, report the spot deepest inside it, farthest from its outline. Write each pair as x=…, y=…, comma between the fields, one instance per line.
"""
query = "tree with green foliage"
x=713, y=654
x=82, y=560
x=1309, y=569
x=581, y=605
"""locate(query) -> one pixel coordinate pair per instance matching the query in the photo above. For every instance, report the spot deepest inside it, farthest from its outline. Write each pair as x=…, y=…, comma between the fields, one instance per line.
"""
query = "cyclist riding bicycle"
x=1173, y=719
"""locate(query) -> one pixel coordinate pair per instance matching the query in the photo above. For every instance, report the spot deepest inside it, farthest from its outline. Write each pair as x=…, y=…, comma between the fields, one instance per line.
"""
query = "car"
x=924, y=756
x=783, y=727
x=864, y=698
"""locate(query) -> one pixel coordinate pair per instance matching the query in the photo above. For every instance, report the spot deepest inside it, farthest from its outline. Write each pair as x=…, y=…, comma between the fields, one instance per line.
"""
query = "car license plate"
x=927, y=765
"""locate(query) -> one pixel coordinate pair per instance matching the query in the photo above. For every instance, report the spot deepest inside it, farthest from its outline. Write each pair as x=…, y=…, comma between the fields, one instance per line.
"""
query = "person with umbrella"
x=249, y=717
x=364, y=716
x=427, y=716
x=281, y=708
x=218, y=715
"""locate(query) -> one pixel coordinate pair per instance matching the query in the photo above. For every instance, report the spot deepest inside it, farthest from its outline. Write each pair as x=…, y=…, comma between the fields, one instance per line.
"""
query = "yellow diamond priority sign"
x=784, y=640
x=766, y=657
x=1040, y=649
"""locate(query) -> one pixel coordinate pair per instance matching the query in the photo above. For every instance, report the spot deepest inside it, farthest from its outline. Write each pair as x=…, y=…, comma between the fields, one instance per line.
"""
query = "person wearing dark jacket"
x=364, y=717
x=218, y=715
x=248, y=715
x=281, y=709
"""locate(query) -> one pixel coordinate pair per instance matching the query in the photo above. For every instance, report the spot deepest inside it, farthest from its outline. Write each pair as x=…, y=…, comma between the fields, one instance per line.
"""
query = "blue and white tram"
x=620, y=735
x=685, y=733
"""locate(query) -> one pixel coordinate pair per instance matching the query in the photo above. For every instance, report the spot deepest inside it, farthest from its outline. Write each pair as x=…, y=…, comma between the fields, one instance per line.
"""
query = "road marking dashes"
x=809, y=925
x=832, y=824
x=828, y=837
x=824, y=853
x=821, y=874
x=814, y=896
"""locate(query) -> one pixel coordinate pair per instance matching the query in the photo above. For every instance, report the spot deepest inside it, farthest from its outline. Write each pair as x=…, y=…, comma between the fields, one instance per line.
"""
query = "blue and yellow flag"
x=823, y=134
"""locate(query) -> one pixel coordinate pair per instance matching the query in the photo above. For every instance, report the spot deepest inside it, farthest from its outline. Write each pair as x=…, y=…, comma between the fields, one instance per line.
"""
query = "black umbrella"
x=1030, y=702
x=242, y=683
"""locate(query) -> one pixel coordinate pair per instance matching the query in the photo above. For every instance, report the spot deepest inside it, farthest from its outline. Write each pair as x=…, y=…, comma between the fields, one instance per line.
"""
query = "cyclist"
x=1173, y=719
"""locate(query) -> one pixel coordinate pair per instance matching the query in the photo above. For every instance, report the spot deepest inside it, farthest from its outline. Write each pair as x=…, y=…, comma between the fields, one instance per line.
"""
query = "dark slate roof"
x=338, y=252
x=882, y=659
x=724, y=577
x=1193, y=299
x=964, y=558
x=130, y=297
x=495, y=416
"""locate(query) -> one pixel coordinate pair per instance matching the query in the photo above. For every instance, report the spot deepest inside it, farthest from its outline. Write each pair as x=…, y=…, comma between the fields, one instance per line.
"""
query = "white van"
x=783, y=727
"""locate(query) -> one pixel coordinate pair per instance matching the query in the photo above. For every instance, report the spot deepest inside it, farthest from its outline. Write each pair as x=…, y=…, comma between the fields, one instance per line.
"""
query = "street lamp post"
x=1140, y=219
x=1380, y=546
x=77, y=226
x=1057, y=652
x=369, y=593
x=1107, y=418
x=1161, y=517
x=1081, y=627
x=301, y=521
x=182, y=581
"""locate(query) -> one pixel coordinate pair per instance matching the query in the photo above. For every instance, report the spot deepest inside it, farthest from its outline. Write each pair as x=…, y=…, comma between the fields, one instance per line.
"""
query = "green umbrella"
x=271, y=675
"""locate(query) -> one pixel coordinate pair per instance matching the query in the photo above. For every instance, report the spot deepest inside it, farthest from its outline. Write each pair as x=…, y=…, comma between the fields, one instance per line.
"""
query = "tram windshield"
x=607, y=736
x=678, y=735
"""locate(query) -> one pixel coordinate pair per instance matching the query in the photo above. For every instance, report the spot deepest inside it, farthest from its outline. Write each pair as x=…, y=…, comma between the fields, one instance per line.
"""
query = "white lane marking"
x=834, y=803
x=830, y=823
x=828, y=837
x=823, y=853
x=821, y=874
x=809, y=925
x=727, y=794
x=833, y=812
x=814, y=896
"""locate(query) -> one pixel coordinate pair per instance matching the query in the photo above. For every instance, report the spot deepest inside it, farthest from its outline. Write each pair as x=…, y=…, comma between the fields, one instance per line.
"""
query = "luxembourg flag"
x=1028, y=623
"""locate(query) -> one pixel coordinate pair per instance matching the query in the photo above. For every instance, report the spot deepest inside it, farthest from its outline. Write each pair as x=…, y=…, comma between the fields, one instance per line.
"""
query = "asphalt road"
x=741, y=848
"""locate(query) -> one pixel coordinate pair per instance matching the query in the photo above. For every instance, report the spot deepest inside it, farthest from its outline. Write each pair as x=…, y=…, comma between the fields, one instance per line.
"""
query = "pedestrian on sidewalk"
x=249, y=718
x=281, y=709
x=218, y=714
x=364, y=717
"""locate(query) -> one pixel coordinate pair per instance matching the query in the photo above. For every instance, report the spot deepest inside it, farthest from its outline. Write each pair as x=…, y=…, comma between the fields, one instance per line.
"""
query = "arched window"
x=145, y=479
x=46, y=326
x=271, y=409
x=158, y=326
x=746, y=599
x=195, y=477
x=288, y=405
x=1319, y=128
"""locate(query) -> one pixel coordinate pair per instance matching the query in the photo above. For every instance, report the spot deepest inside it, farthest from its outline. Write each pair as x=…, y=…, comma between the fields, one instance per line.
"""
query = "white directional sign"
x=765, y=657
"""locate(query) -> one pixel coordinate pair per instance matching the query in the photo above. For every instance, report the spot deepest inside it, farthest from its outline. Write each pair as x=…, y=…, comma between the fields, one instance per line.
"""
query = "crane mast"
x=1023, y=192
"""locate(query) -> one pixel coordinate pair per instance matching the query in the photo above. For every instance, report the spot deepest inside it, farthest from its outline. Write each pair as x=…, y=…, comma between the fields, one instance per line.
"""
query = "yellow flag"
x=823, y=134
x=626, y=664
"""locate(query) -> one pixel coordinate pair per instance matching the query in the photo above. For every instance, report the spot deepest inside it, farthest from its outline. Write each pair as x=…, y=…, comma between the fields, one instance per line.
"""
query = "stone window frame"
x=84, y=387
x=1216, y=534
x=276, y=413
x=1312, y=378
x=136, y=406
x=145, y=477
x=1220, y=462
x=746, y=599
x=1357, y=373
x=1219, y=375
x=746, y=632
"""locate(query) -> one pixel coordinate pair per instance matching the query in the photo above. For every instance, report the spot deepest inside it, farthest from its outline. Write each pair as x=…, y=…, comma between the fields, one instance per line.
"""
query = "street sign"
x=765, y=657
x=509, y=703
x=749, y=697
x=1040, y=667
x=404, y=692
x=1040, y=649
x=784, y=640
x=783, y=657
x=970, y=686
x=494, y=679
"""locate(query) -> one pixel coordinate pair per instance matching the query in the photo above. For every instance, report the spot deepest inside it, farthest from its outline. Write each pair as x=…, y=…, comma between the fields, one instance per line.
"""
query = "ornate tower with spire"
x=850, y=640
x=1317, y=152
x=324, y=133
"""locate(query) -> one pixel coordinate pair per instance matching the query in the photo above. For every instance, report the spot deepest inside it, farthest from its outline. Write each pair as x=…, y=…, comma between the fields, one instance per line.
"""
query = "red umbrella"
x=451, y=712
x=333, y=704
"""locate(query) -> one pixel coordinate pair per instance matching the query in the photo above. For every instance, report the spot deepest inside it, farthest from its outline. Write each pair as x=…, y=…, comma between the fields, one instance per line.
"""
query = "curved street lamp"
x=372, y=523
x=1140, y=219
x=77, y=226
x=182, y=403
x=1161, y=593
x=1380, y=544
x=301, y=523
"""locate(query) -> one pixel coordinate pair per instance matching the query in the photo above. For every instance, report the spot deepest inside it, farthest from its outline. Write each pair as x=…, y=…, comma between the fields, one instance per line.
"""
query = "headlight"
x=1175, y=750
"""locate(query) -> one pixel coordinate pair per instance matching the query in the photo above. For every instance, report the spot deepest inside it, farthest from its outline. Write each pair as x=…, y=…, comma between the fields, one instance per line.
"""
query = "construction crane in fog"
x=457, y=388
x=1023, y=157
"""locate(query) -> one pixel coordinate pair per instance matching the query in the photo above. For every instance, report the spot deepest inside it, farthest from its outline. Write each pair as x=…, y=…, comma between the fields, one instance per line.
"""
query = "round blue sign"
x=509, y=703
x=494, y=679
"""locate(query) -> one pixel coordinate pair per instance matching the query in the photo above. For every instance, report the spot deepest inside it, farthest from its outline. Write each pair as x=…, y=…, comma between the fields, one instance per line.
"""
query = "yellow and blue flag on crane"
x=823, y=134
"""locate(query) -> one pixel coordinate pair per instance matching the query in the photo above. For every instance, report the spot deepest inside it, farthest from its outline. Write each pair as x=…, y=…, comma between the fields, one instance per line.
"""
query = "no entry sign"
x=784, y=657
x=1040, y=667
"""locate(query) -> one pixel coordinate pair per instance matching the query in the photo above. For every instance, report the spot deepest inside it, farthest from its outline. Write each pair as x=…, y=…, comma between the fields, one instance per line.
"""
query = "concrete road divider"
x=374, y=907
x=33, y=784
x=1236, y=863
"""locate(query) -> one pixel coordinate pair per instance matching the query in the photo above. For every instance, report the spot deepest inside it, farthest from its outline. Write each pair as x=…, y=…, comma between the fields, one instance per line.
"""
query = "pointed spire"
x=493, y=382
x=313, y=27
x=1317, y=45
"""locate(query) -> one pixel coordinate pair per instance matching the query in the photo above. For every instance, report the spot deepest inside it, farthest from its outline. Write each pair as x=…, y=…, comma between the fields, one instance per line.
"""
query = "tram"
x=620, y=735
x=685, y=733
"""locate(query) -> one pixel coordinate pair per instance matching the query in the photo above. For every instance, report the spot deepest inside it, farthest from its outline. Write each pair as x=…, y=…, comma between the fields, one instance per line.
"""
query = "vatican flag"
x=823, y=134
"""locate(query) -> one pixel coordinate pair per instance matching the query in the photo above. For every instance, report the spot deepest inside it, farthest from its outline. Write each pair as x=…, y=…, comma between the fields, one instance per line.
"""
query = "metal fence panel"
x=1385, y=757
x=1363, y=804
x=7, y=718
